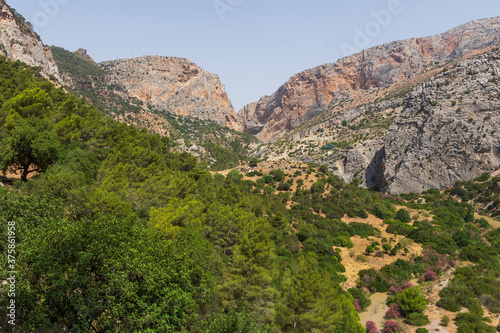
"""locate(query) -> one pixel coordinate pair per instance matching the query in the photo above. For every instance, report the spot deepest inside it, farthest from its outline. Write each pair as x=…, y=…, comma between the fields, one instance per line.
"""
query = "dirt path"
x=376, y=311
x=435, y=313
x=494, y=223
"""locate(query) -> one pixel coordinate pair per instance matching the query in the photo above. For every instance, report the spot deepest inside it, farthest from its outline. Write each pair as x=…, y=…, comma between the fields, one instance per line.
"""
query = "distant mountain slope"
x=175, y=85
x=314, y=90
x=439, y=132
x=18, y=41
x=137, y=96
x=448, y=131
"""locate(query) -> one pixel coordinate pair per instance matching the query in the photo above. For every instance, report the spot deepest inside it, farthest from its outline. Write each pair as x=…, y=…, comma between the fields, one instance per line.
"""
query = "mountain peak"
x=314, y=90
x=82, y=54
x=18, y=41
x=175, y=85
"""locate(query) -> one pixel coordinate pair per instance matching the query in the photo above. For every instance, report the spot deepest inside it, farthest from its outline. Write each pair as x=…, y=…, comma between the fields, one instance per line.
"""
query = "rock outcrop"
x=448, y=131
x=174, y=85
x=18, y=41
x=82, y=54
x=309, y=92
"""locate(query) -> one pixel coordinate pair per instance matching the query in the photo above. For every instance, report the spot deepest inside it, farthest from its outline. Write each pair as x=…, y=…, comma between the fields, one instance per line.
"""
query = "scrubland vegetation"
x=116, y=232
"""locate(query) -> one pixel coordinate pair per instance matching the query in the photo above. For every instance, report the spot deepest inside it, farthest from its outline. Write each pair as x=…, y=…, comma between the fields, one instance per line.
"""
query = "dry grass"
x=349, y=257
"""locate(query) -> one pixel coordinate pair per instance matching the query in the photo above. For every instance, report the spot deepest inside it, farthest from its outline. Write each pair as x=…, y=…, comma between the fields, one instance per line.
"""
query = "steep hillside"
x=18, y=41
x=194, y=119
x=175, y=85
x=448, y=130
x=439, y=132
x=312, y=91
x=169, y=85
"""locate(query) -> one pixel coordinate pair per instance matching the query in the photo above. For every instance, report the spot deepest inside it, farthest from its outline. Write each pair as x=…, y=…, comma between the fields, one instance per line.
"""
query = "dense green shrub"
x=363, y=299
x=417, y=319
x=410, y=301
x=403, y=215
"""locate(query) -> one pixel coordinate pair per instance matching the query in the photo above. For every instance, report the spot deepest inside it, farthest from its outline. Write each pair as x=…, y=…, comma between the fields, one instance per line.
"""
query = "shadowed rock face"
x=448, y=131
x=19, y=42
x=174, y=85
x=311, y=91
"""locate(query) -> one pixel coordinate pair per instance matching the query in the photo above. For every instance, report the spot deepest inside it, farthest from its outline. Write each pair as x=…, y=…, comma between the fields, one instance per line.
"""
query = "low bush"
x=417, y=319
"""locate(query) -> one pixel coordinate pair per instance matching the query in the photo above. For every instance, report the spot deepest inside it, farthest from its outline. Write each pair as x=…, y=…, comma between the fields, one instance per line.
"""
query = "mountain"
x=169, y=96
x=18, y=41
x=402, y=117
x=176, y=85
x=170, y=85
x=314, y=90
x=432, y=135
x=448, y=130
x=361, y=116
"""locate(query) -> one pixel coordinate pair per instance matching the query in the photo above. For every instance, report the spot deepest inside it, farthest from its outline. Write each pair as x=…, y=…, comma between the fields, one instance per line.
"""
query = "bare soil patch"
x=350, y=256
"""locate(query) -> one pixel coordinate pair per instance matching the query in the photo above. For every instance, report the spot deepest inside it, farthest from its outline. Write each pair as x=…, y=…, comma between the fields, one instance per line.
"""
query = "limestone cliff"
x=448, y=131
x=440, y=131
x=312, y=91
x=18, y=41
x=175, y=85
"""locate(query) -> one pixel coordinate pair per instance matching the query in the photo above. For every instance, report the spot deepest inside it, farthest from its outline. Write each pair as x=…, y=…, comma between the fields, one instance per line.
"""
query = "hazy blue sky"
x=253, y=45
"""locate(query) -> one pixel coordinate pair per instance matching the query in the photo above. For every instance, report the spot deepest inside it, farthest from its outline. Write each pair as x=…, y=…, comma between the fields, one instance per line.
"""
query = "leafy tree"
x=403, y=215
x=314, y=302
x=268, y=179
x=462, y=237
x=323, y=168
x=410, y=301
x=278, y=175
x=470, y=215
x=177, y=215
x=417, y=319
x=31, y=147
x=30, y=103
x=249, y=273
x=253, y=162
x=363, y=299
x=115, y=271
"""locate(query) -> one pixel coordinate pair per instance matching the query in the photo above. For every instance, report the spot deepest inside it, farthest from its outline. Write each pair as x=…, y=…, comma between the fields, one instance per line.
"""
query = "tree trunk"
x=24, y=175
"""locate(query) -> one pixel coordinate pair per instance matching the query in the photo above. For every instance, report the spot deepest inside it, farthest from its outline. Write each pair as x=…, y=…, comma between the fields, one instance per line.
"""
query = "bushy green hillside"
x=115, y=232
x=77, y=67
x=225, y=146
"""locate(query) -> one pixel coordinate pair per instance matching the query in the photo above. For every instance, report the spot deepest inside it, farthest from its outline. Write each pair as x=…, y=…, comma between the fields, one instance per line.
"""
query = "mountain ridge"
x=174, y=84
x=18, y=41
x=311, y=91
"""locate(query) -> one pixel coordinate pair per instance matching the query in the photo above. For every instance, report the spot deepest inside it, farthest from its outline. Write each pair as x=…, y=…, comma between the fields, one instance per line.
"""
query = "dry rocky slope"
x=442, y=131
x=312, y=91
x=448, y=131
x=18, y=41
x=175, y=85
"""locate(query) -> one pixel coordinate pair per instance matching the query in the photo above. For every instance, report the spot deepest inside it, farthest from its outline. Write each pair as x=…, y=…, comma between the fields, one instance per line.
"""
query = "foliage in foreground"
x=118, y=233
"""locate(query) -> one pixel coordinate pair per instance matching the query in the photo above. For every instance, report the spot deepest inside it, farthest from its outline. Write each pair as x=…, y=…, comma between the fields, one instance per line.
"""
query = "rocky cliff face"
x=309, y=92
x=175, y=85
x=18, y=41
x=448, y=131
